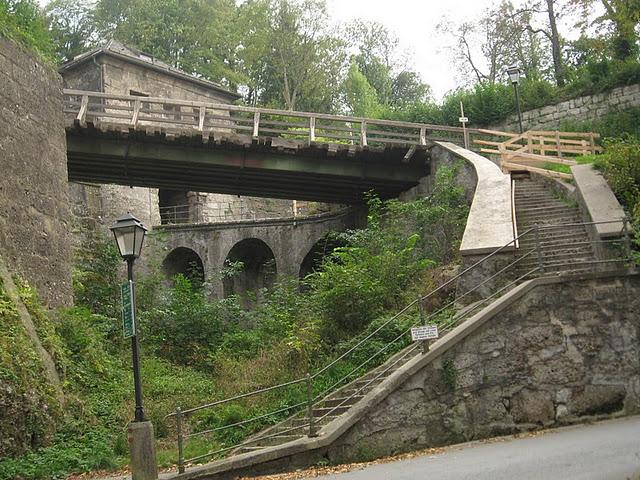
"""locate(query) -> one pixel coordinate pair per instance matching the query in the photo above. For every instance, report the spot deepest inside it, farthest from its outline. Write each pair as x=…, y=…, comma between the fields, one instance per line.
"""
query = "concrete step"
x=542, y=209
x=342, y=400
x=527, y=204
x=335, y=411
x=276, y=440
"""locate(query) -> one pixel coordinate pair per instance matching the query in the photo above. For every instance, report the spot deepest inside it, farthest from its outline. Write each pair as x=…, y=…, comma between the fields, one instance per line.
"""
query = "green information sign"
x=128, y=317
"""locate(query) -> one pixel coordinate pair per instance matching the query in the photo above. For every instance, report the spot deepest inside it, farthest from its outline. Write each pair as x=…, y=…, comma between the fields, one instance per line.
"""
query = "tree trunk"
x=558, y=66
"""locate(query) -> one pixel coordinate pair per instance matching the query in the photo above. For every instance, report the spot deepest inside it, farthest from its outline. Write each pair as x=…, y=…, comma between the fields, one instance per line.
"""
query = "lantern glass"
x=514, y=74
x=129, y=234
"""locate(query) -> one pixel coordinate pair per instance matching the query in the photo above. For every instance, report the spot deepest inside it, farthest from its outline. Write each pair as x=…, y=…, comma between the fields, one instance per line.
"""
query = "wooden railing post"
x=203, y=113
x=423, y=136
x=312, y=129
x=559, y=152
x=256, y=124
x=592, y=142
x=542, y=149
x=363, y=133
x=136, y=112
x=82, y=113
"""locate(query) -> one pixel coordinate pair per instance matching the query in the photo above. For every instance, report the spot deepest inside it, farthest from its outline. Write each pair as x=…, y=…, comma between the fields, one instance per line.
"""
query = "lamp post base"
x=143, y=451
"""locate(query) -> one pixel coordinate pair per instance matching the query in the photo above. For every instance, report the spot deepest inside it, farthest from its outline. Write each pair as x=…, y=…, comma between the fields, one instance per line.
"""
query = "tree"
x=377, y=58
x=290, y=55
x=360, y=97
x=193, y=35
x=24, y=21
x=71, y=25
x=622, y=17
x=501, y=37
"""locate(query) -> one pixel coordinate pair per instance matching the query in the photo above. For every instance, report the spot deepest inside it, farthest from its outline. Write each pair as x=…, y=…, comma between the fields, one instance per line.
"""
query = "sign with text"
x=128, y=317
x=428, y=332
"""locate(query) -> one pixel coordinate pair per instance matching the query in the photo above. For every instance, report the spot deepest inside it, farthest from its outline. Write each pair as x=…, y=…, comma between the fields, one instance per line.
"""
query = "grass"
x=558, y=167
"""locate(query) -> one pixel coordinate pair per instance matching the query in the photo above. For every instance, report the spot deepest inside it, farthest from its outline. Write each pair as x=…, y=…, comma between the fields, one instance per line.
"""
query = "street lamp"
x=129, y=234
x=514, y=75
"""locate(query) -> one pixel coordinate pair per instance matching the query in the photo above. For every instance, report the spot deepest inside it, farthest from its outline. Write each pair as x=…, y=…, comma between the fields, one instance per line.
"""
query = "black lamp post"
x=514, y=75
x=129, y=233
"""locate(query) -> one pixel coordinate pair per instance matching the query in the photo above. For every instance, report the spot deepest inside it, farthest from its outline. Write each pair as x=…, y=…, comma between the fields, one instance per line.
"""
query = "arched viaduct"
x=269, y=248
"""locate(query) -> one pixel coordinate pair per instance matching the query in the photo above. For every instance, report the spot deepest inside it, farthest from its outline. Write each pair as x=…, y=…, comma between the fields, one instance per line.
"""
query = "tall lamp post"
x=514, y=75
x=129, y=234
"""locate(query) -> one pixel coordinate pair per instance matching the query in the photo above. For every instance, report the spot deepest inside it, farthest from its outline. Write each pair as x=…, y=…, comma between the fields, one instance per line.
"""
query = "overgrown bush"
x=22, y=20
x=620, y=165
x=612, y=125
x=96, y=277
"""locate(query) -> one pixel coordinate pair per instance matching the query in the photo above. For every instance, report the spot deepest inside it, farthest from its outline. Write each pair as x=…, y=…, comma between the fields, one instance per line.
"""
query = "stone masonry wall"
x=590, y=107
x=564, y=353
x=34, y=212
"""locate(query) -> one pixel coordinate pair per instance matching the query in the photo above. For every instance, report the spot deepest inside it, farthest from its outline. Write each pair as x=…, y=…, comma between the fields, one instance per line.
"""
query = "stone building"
x=118, y=69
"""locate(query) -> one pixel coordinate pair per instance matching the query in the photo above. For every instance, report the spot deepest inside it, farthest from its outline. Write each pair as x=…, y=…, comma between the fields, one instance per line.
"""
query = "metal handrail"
x=446, y=327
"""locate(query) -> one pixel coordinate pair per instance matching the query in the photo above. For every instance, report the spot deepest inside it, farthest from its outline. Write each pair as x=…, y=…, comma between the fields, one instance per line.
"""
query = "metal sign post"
x=424, y=334
x=464, y=120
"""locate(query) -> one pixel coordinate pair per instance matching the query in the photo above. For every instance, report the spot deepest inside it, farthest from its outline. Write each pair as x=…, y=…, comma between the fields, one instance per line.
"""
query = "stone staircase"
x=566, y=249
x=535, y=203
x=330, y=408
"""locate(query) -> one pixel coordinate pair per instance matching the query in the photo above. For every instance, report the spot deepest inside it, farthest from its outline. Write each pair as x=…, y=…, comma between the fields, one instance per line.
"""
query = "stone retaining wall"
x=591, y=107
x=34, y=211
x=564, y=353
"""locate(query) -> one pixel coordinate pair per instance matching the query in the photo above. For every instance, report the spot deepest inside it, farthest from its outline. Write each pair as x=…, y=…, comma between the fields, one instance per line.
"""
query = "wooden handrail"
x=518, y=155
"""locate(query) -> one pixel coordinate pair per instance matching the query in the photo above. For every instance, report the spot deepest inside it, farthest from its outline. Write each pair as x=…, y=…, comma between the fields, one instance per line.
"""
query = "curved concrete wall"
x=490, y=223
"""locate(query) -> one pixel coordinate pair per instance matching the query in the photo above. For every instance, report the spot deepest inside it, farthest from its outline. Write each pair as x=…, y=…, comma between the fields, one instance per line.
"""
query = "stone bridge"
x=268, y=249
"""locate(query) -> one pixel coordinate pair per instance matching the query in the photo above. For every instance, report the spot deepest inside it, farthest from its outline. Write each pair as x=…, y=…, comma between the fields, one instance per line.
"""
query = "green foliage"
x=618, y=124
x=185, y=328
x=360, y=281
x=23, y=21
x=24, y=391
x=361, y=98
x=95, y=276
x=620, y=165
x=82, y=453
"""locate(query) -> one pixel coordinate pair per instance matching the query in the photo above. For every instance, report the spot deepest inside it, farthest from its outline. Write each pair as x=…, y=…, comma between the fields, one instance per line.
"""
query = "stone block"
x=532, y=407
x=597, y=400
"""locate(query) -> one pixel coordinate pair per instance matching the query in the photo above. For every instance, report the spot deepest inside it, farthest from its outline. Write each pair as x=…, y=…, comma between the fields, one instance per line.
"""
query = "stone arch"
x=320, y=250
x=258, y=271
x=184, y=261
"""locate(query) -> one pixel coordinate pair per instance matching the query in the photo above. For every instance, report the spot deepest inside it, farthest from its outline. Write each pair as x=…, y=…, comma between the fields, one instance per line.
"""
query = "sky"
x=414, y=22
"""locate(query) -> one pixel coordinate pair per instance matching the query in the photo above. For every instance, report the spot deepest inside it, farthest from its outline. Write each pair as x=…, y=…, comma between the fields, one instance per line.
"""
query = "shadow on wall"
x=255, y=270
x=184, y=261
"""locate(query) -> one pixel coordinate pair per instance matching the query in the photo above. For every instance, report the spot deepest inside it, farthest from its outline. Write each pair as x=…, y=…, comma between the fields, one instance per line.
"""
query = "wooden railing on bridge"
x=534, y=149
x=206, y=119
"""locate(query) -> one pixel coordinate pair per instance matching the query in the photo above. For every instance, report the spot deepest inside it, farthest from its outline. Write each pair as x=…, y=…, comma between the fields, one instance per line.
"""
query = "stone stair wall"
x=553, y=351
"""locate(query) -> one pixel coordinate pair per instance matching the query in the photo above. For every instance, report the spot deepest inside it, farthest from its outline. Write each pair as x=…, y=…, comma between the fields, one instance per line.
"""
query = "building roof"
x=118, y=50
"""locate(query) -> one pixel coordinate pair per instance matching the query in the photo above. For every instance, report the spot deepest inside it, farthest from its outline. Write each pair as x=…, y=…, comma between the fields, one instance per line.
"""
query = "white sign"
x=463, y=119
x=428, y=332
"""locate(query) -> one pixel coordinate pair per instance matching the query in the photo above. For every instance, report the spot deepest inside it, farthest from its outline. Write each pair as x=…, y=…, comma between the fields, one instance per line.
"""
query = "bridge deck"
x=153, y=142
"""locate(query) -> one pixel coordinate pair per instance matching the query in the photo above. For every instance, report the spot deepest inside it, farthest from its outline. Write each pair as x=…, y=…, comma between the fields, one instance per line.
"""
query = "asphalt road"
x=603, y=451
